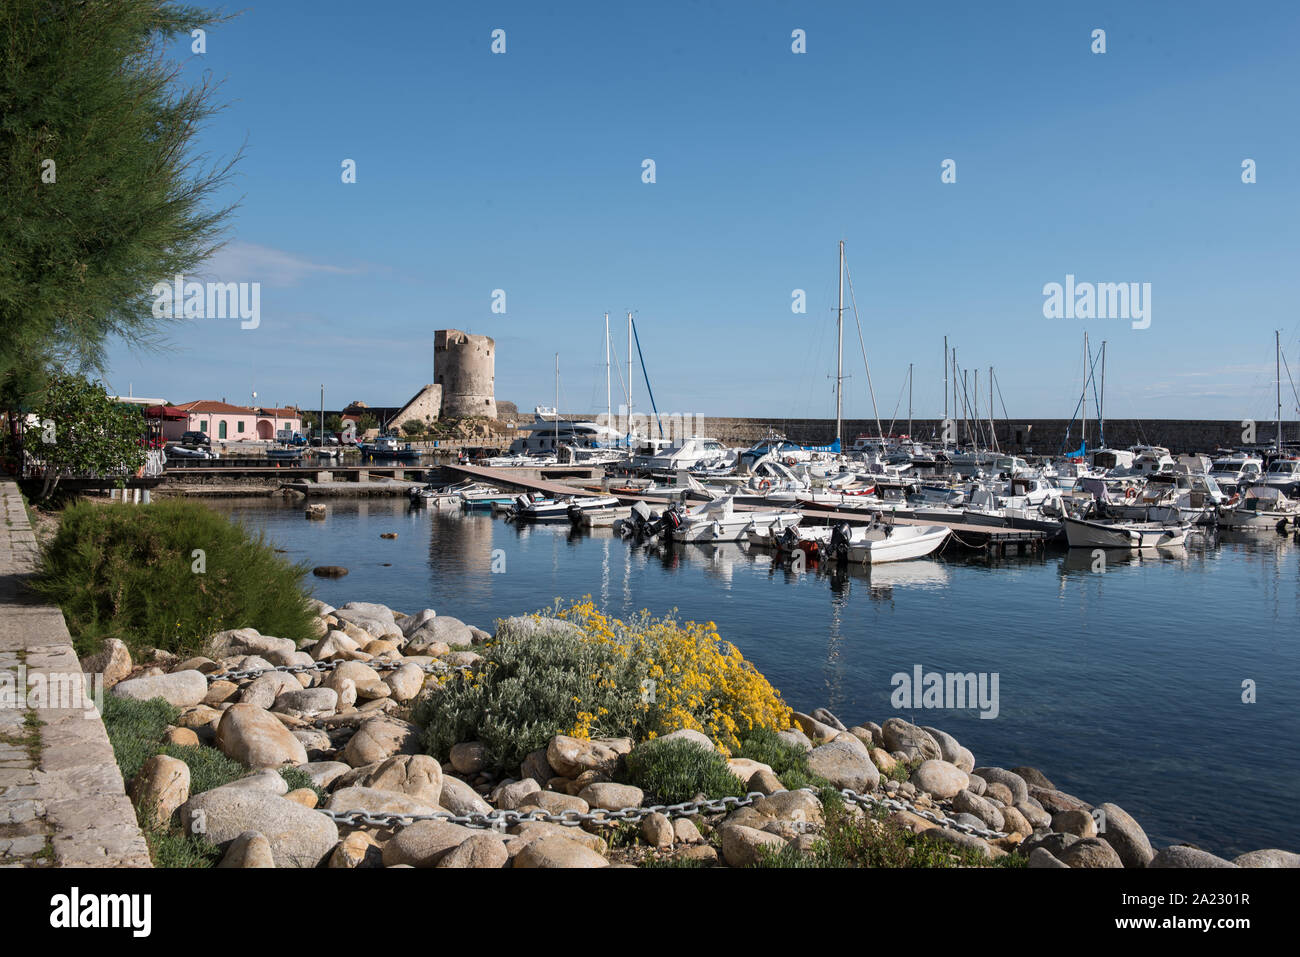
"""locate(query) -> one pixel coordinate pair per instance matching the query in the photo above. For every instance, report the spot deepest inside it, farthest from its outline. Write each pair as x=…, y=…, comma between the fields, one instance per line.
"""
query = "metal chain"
x=501, y=819
x=322, y=666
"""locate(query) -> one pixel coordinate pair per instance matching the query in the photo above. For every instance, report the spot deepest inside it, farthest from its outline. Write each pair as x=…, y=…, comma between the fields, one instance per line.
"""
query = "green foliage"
x=91, y=88
x=366, y=422
x=135, y=729
x=849, y=840
x=413, y=427
x=297, y=778
x=82, y=432
x=674, y=771
x=129, y=572
x=789, y=762
x=531, y=686
x=171, y=847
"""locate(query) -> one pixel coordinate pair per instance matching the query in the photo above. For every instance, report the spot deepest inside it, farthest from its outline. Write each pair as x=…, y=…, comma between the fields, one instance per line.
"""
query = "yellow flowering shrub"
x=692, y=677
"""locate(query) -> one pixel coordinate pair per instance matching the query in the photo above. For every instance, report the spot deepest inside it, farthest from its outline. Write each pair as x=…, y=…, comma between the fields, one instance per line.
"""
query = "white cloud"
x=249, y=262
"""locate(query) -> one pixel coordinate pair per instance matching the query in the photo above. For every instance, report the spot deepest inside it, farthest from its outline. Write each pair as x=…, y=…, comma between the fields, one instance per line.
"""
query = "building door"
x=221, y=429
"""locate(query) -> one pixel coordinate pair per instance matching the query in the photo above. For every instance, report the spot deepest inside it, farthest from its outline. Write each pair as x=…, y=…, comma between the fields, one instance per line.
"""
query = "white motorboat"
x=1284, y=475
x=1088, y=533
x=1262, y=508
x=1234, y=471
x=599, y=517
x=718, y=521
x=880, y=542
x=1171, y=496
x=579, y=505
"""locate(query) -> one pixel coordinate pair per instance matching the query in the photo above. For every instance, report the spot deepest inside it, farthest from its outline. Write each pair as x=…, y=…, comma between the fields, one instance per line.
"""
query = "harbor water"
x=1166, y=683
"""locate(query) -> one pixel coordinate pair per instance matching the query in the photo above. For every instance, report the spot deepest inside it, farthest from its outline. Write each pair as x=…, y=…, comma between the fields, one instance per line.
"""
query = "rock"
x=462, y=659
x=335, y=644
x=459, y=798
x=940, y=778
x=469, y=757
x=555, y=802
x=1183, y=855
x=799, y=806
x=686, y=832
x=416, y=775
x=1056, y=844
x=1272, y=857
x=405, y=682
x=943, y=835
x=263, y=690
x=1054, y=802
x=329, y=571
x=253, y=737
x=1013, y=822
x=181, y=737
x=161, y=786
x=703, y=853
x=443, y=629
x=425, y=843
x=977, y=785
x=745, y=846
x=816, y=730
x=687, y=734
x=843, y=766
x=571, y=756
x=378, y=801
x=324, y=773
x=250, y=849
x=1074, y=822
x=612, y=797
x=794, y=737
x=247, y=641
x=379, y=739
x=373, y=617
x=1089, y=852
x=358, y=849
x=313, y=740
x=1000, y=793
x=298, y=837
x=412, y=623
x=311, y=702
x=1125, y=835
x=304, y=796
x=387, y=534
x=511, y=796
x=899, y=735
x=1035, y=817
x=967, y=803
x=523, y=627
x=1042, y=857
x=482, y=850
x=1034, y=778
x=882, y=759
x=112, y=661
x=529, y=831
x=950, y=749
x=536, y=766
x=181, y=688
x=219, y=691
x=556, y=851
x=657, y=830
x=1013, y=782
x=826, y=717
x=764, y=782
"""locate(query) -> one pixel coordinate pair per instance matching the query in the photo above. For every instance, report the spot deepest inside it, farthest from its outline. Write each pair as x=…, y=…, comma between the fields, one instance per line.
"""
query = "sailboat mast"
x=1101, y=401
x=609, y=400
x=909, y=400
x=1087, y=377
x=992, y=431
x=945, y=383
x=1277, y=361
x=557, y=407
x=839, y=357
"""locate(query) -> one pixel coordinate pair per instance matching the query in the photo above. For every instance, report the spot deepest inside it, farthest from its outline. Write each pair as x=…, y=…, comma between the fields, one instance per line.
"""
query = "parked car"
x=196, y=440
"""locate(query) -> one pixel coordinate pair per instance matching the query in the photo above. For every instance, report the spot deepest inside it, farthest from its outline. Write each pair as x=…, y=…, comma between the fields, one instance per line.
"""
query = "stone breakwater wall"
x=1044, y=436
x=342, y=718
x=62, y=801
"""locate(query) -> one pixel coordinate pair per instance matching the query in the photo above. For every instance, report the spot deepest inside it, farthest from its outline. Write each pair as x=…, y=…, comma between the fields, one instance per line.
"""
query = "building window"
x=239, y=426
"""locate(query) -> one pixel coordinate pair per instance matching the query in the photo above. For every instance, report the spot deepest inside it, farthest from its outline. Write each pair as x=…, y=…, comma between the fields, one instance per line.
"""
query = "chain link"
x=502, y=819
x=431, y=668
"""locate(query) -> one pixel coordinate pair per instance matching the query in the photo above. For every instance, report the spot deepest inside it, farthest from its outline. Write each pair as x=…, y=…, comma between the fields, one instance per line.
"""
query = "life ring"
x=1130, y=493
x=764, y=484
x=791, y=460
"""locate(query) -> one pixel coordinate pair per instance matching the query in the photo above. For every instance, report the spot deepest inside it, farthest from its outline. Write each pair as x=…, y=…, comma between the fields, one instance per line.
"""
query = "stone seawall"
x=62, y=800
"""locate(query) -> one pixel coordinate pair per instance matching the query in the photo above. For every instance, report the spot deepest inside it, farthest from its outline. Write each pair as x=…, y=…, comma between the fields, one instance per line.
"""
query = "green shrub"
x=297, y=778
x=131, y=572
x=674, y=771
x=531, y=686
x=171, y=847
x=789, y=762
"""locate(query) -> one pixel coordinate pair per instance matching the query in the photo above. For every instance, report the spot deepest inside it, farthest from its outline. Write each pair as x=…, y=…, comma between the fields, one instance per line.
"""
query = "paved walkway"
x=62, y=801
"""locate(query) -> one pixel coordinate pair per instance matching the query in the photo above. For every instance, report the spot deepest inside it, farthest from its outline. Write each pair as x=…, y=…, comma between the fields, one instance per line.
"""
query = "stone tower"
x=465, y=367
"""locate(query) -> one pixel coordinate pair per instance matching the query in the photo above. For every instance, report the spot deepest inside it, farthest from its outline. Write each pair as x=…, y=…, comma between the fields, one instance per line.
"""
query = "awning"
x=165, y=412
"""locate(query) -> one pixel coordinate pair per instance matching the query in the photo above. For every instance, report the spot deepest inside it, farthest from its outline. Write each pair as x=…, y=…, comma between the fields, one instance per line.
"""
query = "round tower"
x=465, y=367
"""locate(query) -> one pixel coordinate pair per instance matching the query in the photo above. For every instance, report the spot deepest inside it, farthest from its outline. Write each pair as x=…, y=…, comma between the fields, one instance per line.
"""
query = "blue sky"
x=523, y=172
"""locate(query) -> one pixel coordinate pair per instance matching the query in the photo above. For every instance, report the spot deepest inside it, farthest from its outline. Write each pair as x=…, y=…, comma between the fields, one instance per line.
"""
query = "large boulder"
x=257, y=738
x=182, y=689
x=844, y=765
x=900, y=735
x=1182, y=855
x=940, y=779
x=262, y=691
x=160, y=787
x=1125, y=835
x=459, y=798
x=416, y=775
x=247, y=641
x=425, y=843
x=379, y=739
x=1090, y=852
x=113, y=661
x=1013, y=782
x=299, y=837
x=1271, y=857
x=745, y=846
x=444, y=629
x=572, y=756
x=377, y=801
x=557, y=851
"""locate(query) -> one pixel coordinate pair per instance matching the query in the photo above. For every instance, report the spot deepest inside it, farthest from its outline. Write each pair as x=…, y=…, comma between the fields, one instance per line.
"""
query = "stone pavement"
x=62, y=800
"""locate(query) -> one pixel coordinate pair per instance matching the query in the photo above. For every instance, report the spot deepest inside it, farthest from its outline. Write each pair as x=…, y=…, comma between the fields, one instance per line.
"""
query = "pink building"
x=231, y=423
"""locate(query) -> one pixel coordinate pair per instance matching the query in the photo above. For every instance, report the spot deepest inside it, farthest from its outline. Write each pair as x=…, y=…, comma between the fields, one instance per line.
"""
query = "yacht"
x=1234, y=471
x=1284, y=475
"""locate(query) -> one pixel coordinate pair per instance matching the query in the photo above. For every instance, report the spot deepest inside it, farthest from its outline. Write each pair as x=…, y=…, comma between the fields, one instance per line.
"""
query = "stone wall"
x=464, y=366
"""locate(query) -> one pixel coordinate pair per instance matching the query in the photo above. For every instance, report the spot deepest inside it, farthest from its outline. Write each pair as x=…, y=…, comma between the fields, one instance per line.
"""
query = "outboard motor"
x=789, y=539
x=840, y=535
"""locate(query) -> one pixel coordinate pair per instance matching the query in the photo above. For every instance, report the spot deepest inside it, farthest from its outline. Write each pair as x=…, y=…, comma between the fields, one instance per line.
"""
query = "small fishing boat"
x=1090, y=533
x=598, y=517
x=881, y=542
x=1262, y=508
x=284, y=455
x=483, y=498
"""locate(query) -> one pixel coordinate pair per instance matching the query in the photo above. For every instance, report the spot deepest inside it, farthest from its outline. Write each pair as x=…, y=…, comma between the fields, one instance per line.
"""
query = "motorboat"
x=388, y=447
x=1092, y=533
x=482, y=498
x=1263, y=507
x=1233, y=471
x=1171, y=496
x=1284, y=475
x=882, y=542
x=284, y=455
x=718, y=521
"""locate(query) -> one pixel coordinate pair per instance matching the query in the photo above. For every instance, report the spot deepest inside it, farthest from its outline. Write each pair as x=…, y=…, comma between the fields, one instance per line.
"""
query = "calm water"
x=1124, y=686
